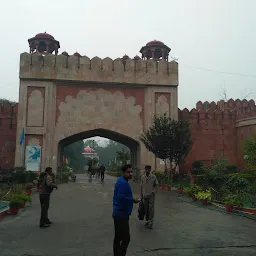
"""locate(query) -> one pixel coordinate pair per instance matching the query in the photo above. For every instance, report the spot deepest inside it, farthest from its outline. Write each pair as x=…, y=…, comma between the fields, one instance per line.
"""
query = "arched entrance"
x=131, y=143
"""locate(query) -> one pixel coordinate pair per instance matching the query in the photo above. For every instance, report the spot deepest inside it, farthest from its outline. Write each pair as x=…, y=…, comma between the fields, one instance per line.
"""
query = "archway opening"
x=107, y=147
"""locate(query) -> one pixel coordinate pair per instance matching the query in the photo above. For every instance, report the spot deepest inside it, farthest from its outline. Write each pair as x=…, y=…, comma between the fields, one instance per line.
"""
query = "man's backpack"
x=141, y=211
x=41, y=179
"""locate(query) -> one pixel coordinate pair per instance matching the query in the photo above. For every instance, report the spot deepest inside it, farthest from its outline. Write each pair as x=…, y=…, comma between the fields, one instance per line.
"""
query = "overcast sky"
x=214, y=34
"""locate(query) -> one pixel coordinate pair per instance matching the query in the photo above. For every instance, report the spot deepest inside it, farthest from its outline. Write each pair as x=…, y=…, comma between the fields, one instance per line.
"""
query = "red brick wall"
x=213, y=130
x=8, y=127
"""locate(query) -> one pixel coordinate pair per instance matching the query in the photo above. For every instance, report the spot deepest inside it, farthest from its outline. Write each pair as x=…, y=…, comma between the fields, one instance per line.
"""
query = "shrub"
x=197, y=168
x=213, y=179
x=233, y=200
x=161, y=177
x=197, y=164
x=195, y=189
x=23, y=197
x=231, y=169
x=15, y=203
x=236, y=183
x=204, y=195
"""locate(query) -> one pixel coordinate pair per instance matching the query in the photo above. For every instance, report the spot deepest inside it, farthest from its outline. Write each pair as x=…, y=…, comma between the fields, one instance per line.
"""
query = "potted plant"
x=180, y=189
x=204, y=196
x=169, y=187
x=195, y=189
x=14, y=206
x=230, y=201
x=28, y=188
x=23, y=198
x=188, y=191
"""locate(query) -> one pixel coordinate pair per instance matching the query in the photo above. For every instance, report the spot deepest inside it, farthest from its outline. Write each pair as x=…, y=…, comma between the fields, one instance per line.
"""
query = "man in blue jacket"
x=122, y=208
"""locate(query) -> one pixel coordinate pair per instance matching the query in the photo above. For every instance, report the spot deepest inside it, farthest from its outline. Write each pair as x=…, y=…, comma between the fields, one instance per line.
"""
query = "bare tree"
x=223, y=94
x=245, y=94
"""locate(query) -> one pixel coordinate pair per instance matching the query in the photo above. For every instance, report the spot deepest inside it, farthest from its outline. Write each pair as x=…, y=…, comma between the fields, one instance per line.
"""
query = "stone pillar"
x=21, y=123
x=163, y=55
x=153, y=54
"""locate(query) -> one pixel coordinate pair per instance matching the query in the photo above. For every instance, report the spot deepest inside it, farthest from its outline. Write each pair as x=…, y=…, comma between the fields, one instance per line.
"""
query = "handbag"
x=141, y=211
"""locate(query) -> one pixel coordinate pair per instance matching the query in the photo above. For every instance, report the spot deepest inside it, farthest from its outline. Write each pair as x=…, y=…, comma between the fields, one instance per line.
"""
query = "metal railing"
x=215, y=195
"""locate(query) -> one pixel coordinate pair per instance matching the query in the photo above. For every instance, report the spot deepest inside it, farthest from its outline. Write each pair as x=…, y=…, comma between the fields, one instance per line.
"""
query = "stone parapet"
x=76, y=68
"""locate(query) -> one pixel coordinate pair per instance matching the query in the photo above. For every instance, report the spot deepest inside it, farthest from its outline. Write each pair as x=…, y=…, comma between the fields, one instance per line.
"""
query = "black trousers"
x=102, y=175
x=122, y=236
x=45, y=202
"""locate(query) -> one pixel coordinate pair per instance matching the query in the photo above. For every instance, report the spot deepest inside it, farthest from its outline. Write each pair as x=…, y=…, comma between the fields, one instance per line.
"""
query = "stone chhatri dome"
x=43, y=43
x=155, y=50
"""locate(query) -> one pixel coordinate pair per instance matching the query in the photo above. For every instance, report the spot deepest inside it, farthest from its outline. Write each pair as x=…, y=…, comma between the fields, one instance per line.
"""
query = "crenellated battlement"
x=241, y=108
x=227, y=105
x=82, y=68
x=210, y=114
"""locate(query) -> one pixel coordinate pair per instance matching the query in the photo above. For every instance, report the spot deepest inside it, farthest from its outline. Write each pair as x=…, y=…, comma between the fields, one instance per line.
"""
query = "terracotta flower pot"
x=180, y=191
x=14, y=210
x=28, y=192
x=162, y=187
x=204, y=201
x=169, y=188
x=229, y=208
x=23, y=204
x=194, y=198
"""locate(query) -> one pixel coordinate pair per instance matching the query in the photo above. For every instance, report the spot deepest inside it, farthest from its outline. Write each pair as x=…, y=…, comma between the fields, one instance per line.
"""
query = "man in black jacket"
x=46, y=185
x=102, y=172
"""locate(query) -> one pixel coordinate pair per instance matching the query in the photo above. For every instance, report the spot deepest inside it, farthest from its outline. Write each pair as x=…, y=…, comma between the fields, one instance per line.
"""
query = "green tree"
x=250, y=153
x=123, y=155
x=168, y=139
x=74, y=154
x=6, y=101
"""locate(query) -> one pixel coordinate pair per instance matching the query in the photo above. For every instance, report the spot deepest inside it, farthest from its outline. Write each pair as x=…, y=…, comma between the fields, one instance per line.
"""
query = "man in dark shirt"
x=122, y=208
x=46, y=185
x=102, y=172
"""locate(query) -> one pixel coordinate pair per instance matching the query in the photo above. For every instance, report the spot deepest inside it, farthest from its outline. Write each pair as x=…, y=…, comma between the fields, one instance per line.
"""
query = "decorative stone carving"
x=35, y=114
x=99, y=109
x=162, y=106
x=33, y=142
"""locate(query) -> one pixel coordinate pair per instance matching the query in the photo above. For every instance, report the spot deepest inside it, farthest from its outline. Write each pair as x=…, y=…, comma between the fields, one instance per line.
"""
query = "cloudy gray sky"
x=217, y=35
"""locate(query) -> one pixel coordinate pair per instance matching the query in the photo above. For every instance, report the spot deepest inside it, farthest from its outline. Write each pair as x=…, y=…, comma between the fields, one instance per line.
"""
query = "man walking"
x=149, y=186
x=46, y=185
x=122, y=208
x=102, y=172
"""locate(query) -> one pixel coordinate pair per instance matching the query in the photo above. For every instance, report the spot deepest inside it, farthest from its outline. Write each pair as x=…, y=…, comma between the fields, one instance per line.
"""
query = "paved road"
x=83, y=227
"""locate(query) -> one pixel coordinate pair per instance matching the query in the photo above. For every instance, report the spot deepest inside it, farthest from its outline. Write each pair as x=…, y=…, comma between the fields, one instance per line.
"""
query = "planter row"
x=169, y=188
x=15, y=210
x=229, y=208
x=60, y=181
